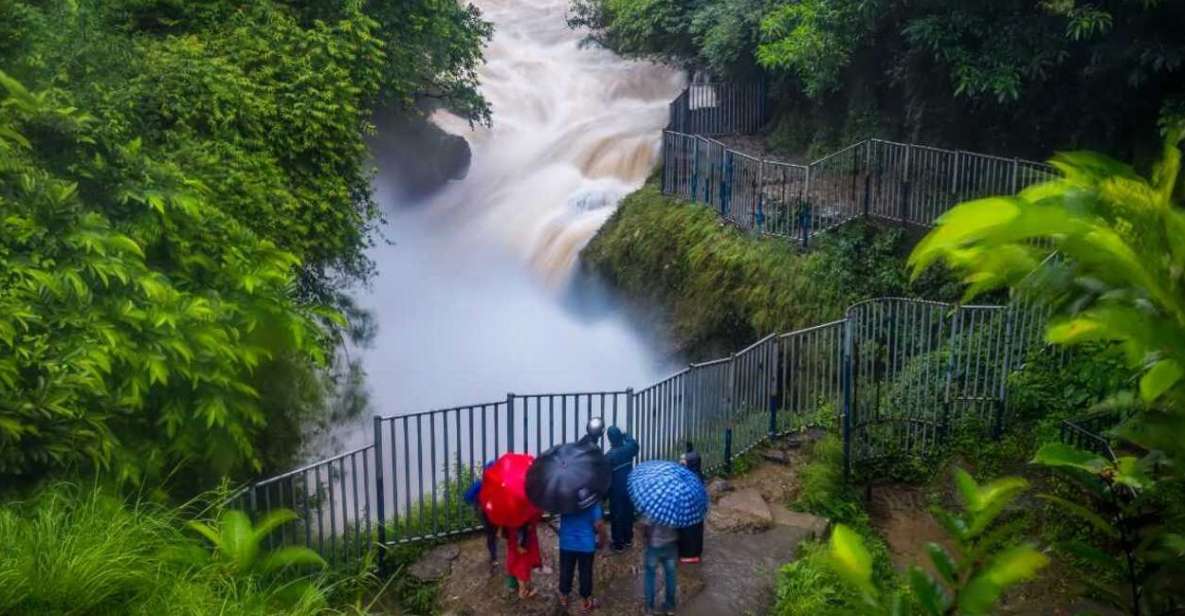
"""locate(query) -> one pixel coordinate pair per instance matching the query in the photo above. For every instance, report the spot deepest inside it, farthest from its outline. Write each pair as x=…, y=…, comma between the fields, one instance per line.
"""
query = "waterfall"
x=476, y=294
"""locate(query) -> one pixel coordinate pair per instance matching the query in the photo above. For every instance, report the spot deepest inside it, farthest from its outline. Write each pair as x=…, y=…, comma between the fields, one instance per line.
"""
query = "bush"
x=69, y=550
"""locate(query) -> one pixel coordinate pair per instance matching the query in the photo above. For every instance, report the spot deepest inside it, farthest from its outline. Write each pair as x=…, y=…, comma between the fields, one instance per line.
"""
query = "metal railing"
x=896, y=182
x=897, y=374
x=719, y=109
x=1088, y=432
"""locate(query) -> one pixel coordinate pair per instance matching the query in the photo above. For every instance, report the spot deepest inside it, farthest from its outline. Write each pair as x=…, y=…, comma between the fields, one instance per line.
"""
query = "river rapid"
x=478, y=292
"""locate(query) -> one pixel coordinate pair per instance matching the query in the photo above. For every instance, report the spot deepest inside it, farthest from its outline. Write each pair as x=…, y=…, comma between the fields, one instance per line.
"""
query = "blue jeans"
x=666, y=555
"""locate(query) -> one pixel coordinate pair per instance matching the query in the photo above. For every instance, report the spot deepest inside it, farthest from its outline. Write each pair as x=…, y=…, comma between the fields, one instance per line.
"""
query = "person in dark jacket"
x=592, y=433
x=691, y=539
x=622, y=451
x=491, y=531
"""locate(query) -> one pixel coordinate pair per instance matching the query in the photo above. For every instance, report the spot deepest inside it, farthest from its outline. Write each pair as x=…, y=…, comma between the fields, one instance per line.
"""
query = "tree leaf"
x=851, y=559
x=1007, y=569
x=1162, y=376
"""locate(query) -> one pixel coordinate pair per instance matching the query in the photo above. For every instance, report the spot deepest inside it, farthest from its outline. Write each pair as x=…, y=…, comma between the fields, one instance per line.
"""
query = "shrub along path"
x=749, y=535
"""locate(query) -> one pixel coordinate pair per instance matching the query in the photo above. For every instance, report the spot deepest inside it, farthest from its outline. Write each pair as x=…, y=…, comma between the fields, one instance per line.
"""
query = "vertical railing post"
x=728, y=450
x=804, y=211
x=846, y=361
x=760, y=190
x=380, y=494
x=629, y=410
x=1002, y=392
x=1015, y=175
x=867, y=176
x=771, y=382
x=903, y=207
x=510, y=422
x=694, y=168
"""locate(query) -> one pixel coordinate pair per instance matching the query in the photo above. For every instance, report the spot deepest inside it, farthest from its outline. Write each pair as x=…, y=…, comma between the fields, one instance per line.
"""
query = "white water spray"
x=473, y=300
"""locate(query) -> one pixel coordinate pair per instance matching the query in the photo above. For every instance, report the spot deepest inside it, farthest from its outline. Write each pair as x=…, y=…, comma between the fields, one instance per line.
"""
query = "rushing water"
x=477, y=294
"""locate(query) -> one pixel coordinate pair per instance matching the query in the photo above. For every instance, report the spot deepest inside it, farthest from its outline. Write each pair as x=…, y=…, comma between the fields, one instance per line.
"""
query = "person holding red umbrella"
x=503, y=499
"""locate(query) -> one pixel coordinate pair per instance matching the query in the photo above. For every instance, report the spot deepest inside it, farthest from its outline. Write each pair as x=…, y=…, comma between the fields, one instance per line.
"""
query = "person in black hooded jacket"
x=691, y=539
x=622, y=451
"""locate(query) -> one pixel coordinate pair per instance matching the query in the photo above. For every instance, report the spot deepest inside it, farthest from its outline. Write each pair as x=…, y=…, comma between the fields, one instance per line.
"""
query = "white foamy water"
x=474, y=299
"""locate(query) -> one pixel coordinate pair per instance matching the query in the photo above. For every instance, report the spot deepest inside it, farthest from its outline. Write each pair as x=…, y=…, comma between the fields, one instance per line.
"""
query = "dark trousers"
x=491, y=532
x=621, y=513
x=568, y=564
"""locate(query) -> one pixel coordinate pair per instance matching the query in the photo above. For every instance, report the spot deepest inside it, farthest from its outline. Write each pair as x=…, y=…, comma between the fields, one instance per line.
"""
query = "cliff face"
x=716, y=289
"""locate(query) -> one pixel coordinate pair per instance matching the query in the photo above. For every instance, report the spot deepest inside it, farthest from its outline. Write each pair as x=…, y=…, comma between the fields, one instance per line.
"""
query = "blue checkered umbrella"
x=668, y=493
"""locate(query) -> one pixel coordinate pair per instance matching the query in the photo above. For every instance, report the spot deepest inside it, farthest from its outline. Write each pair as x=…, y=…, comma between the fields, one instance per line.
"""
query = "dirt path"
x=901, y=514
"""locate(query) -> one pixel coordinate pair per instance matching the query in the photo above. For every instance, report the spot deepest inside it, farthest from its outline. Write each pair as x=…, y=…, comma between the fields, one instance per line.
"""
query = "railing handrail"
x=858, y=144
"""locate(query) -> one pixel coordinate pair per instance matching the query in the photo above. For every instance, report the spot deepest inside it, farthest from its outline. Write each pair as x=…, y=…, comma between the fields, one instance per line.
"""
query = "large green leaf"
x=1007, y=569
x=851, y=559
x=929, y=593
x=291, y=556
x=1061, y=454
x=1160, y=377
x=942, y=562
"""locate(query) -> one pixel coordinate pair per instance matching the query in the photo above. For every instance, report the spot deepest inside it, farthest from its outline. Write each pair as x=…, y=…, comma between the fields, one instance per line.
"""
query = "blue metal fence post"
x=846, y=377
x=726, y=183
x=380, y=496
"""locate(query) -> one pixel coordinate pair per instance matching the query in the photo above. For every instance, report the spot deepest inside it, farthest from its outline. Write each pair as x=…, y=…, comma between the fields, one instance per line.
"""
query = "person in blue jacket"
x=623, y=448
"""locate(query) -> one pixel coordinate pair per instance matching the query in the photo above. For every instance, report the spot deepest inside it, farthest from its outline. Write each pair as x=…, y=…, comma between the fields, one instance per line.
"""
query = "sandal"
x=590, y=604
x=529, y=594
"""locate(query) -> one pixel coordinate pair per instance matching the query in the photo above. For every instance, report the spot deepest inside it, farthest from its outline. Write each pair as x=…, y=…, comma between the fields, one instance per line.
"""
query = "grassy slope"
x=720, y=288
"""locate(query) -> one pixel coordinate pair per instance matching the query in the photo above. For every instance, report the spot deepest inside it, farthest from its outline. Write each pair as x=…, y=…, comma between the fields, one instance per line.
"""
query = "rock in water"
x=452, y=157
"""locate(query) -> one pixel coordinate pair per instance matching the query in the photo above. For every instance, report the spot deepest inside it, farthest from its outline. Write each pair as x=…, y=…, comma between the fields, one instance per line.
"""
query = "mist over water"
x=478, y=296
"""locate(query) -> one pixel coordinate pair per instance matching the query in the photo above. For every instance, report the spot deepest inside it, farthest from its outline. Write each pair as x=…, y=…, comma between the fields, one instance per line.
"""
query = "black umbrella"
x=568, y=478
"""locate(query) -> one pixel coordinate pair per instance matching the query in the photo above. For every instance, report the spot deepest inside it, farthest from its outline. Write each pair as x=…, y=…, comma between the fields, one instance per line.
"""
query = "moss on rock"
x=718, y=288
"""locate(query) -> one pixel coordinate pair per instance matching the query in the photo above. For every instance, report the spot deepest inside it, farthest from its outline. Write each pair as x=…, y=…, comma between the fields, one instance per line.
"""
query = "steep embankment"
x=717, y=288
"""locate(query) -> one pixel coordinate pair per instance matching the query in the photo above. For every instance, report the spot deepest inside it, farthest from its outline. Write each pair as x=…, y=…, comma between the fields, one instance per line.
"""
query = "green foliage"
x=1119, y=282
x=964, y=75
x=724, y=288
x=985, y=564
x=815, y=39
x=1132, y=509
x=184, y=188
x=124, y=327
x=71, y=551
x=433, y=49
x=809, y=585
x=1044, y=392
x=238, y=544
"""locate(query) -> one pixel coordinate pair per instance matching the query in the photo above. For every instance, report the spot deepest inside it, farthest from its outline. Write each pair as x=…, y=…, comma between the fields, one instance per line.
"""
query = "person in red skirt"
x=522, y=556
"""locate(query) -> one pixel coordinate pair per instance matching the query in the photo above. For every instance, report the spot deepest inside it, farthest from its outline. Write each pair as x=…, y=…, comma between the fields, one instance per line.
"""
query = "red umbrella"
x=503, y=494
